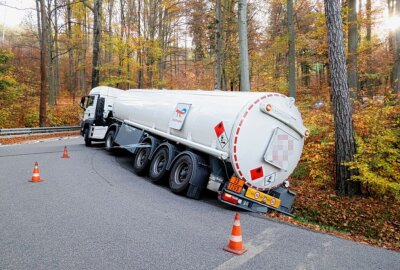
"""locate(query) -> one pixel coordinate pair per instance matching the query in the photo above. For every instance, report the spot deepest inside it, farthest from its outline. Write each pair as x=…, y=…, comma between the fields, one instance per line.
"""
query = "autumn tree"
x=345, y=147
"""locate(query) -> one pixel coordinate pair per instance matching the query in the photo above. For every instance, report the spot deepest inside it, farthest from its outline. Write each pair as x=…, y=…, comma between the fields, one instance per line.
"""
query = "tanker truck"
x=241, y=145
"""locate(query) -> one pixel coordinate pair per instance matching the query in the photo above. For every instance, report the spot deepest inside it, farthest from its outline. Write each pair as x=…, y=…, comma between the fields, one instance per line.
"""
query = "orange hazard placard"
x=235, y=184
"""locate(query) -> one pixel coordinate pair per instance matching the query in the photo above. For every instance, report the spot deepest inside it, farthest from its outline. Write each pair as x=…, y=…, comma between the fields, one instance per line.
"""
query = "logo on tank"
x=179, y=115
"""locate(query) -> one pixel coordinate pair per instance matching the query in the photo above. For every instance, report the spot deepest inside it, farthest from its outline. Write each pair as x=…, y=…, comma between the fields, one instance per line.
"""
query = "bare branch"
x=17, y=8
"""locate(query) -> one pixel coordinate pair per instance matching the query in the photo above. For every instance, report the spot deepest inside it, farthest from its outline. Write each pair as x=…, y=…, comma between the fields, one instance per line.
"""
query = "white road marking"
x=255, y=247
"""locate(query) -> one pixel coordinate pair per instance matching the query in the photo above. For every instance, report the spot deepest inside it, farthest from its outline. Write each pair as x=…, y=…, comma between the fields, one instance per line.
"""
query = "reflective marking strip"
x=236, y=238
x=236, y=137
x=238, y=130
x=35, y=174
x=236, y=223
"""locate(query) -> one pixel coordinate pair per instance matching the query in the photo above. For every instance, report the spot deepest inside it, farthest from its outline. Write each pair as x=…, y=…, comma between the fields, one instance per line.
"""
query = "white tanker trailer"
x=241, y=145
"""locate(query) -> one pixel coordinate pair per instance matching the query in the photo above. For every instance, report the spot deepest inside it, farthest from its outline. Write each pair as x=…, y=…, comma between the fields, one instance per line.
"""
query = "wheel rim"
x=159, y=164
x=141, y=159
x=181, y=173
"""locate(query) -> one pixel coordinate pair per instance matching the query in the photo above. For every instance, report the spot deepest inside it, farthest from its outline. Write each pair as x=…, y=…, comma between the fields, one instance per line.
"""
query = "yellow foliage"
x=377, y=160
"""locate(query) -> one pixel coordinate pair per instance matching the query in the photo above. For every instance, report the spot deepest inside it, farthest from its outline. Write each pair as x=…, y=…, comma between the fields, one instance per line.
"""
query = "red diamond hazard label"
x=256, y=173
x=221, y=134
x=219, y=129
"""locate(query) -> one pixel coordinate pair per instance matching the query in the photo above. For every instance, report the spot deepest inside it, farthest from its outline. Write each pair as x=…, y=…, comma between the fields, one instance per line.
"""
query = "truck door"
x=89, y=103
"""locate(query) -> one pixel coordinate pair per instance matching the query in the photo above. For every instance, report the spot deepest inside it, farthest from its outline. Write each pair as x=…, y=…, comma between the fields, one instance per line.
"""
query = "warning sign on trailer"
x=221, y=134
x=179, y=116
x=269, y=180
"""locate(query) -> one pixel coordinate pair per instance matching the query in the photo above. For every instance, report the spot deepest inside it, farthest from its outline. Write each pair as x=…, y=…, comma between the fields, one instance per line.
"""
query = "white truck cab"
x=97, y=108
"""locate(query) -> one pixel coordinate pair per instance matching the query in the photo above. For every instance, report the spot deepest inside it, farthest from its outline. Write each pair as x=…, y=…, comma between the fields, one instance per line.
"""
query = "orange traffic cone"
x=35, y=175
x=235, y=243
x=65, y=154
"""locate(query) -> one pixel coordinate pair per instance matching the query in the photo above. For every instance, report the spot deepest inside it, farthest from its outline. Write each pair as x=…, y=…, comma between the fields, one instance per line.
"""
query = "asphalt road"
x=92, y=212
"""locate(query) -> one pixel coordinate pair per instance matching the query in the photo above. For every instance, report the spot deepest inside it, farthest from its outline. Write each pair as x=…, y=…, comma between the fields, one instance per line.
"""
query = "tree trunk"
x=292, y=50
x=140, y=49
x=344, y=133
x=391, y=6
x=110, y=34
x=369, y=48
x=84, y=52
x=218, y=46
x=56, y=52
x=396, y=65
x=50, y=58
x=43, y=29
x=352, y=48
x=244, y=52
x=96, y=43
x=71, y=73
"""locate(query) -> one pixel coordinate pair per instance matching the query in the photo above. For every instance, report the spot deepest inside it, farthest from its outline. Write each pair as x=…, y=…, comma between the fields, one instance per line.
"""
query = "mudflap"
x=200, y=178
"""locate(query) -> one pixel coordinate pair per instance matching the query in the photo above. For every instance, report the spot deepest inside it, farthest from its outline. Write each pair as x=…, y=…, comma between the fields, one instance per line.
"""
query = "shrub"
x=377, y=160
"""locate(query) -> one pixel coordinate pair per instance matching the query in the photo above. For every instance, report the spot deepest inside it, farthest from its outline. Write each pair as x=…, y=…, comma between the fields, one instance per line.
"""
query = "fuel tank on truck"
x=260, y=133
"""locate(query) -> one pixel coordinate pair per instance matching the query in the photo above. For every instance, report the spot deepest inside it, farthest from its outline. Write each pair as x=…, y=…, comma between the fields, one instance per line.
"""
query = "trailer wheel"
x=181, y=174
x=110, y=140
x=158, y=165
x=141, y=160
x=88, y=142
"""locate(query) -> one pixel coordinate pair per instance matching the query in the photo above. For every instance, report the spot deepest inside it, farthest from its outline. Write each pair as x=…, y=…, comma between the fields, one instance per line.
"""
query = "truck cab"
x=97, y=108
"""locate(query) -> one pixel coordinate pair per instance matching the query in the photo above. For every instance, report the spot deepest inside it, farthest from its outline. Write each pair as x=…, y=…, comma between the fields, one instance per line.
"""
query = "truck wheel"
x=158, y=165
x=181, y=173
x=141, y=160
x=88, y=142
x=110, y=140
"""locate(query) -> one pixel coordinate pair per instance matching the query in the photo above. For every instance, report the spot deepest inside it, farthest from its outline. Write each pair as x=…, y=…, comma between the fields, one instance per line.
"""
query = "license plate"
x=262, y=197
x=235, y=184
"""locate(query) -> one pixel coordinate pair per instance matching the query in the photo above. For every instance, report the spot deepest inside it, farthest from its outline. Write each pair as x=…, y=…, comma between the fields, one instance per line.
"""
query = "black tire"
x=158, y=165
x=181, y=174
x=88, y=142
x=141, y=161
x=110, y=140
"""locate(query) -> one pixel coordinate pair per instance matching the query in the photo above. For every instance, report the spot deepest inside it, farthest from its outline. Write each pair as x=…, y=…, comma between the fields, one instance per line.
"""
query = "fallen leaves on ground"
x=371, y=220
x=14, y=140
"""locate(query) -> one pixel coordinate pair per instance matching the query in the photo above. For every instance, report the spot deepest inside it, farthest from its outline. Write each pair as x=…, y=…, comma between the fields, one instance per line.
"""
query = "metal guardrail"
x=28, y=131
